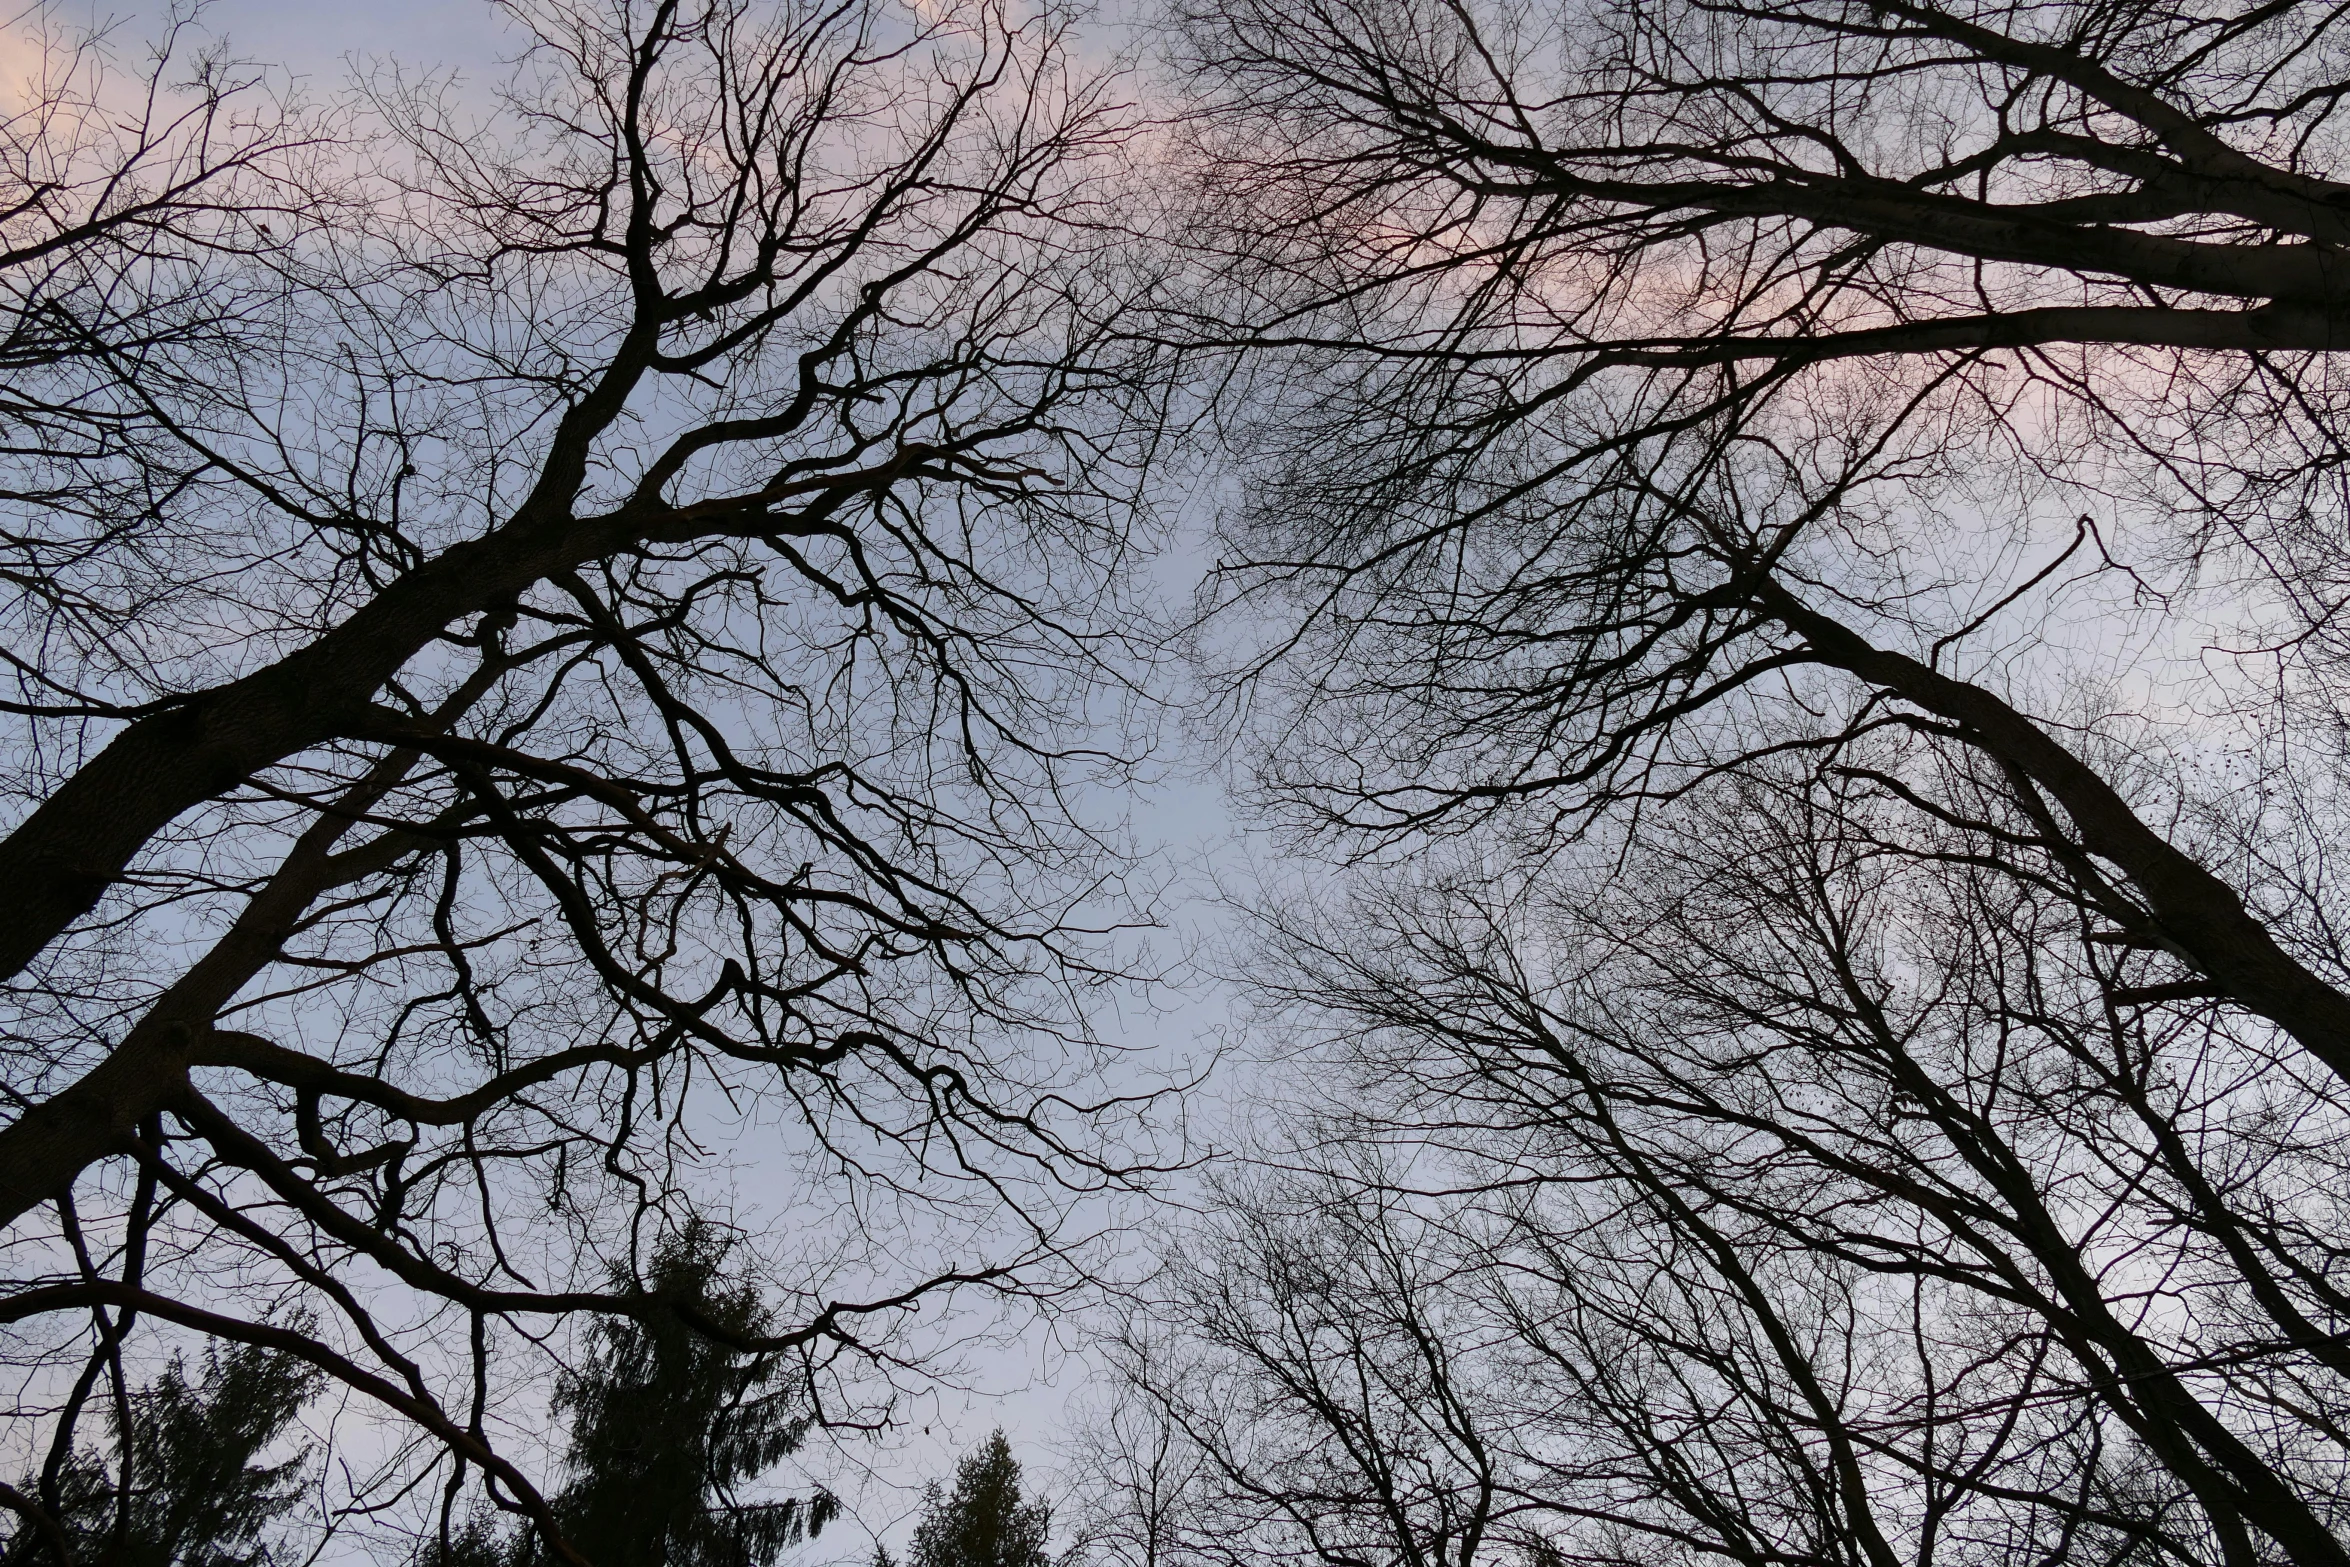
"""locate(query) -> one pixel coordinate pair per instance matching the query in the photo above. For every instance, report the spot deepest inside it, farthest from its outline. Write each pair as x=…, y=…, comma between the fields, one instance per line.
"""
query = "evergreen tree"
x=181, y=1487
x=983, y=1523
x=667, y=1427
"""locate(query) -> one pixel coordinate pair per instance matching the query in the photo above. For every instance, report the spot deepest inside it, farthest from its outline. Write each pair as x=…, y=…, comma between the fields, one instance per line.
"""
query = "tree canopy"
x=1771, y=577
x=1785, y=570
x=552, y=625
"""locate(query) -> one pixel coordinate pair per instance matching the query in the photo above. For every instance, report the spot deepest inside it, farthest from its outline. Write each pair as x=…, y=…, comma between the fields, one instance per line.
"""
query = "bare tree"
x=1781, y=552
x=121, y=184
x=1621, y=364
x=1791, y=1187
x=1303, y=1392
x=603, y=652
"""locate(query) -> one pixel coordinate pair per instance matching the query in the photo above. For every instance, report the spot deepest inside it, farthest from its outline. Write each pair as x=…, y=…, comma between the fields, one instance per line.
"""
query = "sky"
x=315, y=39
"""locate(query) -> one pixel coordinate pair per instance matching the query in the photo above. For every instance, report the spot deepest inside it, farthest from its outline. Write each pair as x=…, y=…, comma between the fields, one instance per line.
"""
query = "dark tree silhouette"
x=1781, y=557
x=1627, y=362
x=599, y=639
x=182, y=1486
x=134, y=197
x=982, y=1521
x=667, y=1427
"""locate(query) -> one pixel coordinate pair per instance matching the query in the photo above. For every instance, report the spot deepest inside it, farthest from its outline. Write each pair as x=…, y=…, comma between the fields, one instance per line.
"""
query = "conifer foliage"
x=983, y=1522
x=668, y=1426
x=183, y=1483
